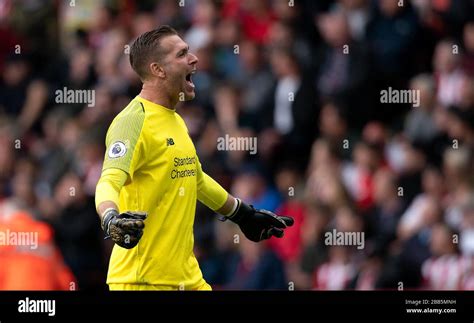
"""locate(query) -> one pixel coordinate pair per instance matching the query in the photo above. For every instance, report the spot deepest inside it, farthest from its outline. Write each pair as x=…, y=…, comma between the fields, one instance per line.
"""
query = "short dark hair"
x=146, y=47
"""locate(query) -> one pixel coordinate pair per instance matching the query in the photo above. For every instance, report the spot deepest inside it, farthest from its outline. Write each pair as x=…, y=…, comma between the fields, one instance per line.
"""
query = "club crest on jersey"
x=117, y=149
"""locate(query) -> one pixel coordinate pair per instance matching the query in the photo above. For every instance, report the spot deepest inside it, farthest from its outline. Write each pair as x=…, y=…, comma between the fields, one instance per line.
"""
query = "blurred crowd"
x=305, y=78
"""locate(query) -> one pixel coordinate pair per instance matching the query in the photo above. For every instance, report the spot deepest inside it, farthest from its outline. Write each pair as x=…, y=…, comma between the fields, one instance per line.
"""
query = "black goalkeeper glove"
x=258, y=225
x=125, y=229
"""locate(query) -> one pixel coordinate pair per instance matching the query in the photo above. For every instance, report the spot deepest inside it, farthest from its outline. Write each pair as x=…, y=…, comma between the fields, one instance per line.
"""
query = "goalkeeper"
x=152, y=177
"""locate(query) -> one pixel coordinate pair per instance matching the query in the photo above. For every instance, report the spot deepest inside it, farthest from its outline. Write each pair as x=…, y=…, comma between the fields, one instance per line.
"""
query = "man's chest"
x=169, y=145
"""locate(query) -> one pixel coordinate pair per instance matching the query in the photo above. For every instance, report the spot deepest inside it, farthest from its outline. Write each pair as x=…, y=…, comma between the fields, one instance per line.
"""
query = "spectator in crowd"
x=337, y=273
x=458, y=174
x=392, y=34
x=460, y=125
x=415, y=248
x=334, y=127
x=226, y=52
x=468, y=40
x=383, y=218
x=219, y=258
x=466, y=243
x=289, y=184
x=358, y=16
x=78, y=232
x=419, y=123
x=257, y=267
x=21, y=96
x=36, y=263
x=446, y=269
x=433, y=190
x=450, y=77
x=7, y=156
x=358, y=175
x=256, y=80
x=290, y=111
x=314, y=250
x=344, y=70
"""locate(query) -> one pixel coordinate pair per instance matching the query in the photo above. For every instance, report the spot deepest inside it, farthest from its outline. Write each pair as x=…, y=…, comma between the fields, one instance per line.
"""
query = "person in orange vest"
x=29, y=259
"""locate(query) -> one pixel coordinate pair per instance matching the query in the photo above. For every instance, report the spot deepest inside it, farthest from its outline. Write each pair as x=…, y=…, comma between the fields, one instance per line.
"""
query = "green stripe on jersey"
x=123, y=135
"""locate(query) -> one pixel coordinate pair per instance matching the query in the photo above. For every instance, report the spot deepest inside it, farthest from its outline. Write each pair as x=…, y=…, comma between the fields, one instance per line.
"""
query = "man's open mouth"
x=189, y=78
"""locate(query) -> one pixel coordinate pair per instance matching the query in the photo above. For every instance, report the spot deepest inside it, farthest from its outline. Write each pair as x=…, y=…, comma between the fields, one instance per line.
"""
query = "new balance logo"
x=169, y=142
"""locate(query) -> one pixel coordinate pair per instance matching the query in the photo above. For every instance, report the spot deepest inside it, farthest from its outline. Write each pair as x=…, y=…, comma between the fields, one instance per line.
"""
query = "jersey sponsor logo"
x=169, y=142
x=175, y=173
x=184, y=161
x=179, y=171
x=117, y=149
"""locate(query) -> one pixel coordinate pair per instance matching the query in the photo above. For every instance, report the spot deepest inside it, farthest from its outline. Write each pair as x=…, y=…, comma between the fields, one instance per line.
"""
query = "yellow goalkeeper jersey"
x=151, y=143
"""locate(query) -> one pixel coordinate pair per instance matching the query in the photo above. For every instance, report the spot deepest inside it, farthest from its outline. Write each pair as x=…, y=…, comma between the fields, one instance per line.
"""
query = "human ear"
x=157, y=70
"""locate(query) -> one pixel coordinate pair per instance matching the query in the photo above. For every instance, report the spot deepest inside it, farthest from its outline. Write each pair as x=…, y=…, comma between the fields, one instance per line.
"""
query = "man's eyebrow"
x=185, y=49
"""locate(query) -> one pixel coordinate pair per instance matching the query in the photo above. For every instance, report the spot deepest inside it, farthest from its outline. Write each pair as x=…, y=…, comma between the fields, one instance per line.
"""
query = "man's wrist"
x=234, y=209
x=107, y=217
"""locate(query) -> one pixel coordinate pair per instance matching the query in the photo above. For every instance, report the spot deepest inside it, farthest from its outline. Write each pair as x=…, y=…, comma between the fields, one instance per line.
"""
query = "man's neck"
x=155, y=95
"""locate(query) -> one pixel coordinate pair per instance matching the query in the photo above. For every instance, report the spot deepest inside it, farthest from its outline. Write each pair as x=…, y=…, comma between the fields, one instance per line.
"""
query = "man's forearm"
x=104, y=206
x=108, y=190
x=229, y=206
x=212, y=194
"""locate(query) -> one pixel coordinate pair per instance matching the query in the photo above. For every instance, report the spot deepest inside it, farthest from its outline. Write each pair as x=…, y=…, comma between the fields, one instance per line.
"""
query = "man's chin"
x=189, y=95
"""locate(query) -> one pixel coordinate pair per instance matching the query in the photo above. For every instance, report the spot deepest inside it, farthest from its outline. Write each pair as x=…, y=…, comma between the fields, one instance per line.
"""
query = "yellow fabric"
x=210, y=193
x=151, y=143
x=109, y=186
x=204, y=287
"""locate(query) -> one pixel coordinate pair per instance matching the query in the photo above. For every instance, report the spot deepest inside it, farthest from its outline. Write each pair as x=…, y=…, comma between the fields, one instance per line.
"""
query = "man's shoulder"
x=129, y=121
x=134, y=110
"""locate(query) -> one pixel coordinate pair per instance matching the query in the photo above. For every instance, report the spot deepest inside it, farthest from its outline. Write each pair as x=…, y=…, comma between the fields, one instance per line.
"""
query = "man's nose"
x=193, y=59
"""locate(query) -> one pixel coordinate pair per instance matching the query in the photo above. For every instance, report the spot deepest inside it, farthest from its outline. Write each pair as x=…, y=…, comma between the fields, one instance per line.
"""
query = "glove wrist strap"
x=233, y=212
x=108, y=215
x=235, y=207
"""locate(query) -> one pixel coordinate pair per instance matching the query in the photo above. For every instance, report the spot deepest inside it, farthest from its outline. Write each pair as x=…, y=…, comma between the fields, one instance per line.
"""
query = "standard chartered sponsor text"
x=187, y=172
